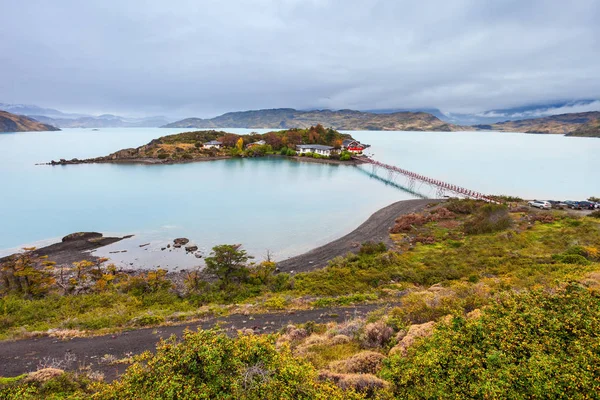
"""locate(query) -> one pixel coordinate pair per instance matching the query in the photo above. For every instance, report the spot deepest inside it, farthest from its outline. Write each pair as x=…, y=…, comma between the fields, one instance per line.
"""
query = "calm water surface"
x=285, y=207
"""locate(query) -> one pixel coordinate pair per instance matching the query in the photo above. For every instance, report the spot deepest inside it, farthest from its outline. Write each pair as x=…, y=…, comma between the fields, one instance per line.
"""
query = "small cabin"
x=353, y=146
x=213, y=144
x=315, y=148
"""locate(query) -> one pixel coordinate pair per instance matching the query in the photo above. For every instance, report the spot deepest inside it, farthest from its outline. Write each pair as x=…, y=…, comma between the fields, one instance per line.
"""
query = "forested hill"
x=18, y=123
x=285, y=118
x=573, y=124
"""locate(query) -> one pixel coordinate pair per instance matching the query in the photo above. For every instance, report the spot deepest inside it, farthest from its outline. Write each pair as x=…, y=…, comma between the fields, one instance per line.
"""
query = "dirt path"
x=375, y=229
x=21, y=356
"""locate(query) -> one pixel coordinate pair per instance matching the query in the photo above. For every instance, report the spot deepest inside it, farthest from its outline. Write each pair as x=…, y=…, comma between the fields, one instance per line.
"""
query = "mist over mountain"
x=61, y=119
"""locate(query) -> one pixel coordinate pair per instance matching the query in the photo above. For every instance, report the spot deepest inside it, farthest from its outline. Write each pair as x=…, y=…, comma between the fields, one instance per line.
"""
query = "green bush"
x=162, y=156
x=211, y=365
x=489, y=218
x=532, y=345
x=372, y=248
x=284, y=151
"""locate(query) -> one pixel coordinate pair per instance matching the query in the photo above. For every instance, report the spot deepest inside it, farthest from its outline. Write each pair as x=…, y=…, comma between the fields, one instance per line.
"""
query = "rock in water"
x=191, y=248
x=181, y=241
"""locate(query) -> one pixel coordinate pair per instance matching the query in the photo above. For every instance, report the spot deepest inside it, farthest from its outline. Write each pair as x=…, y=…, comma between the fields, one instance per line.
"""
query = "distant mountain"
x=530, y=111
x=18, y=123
x=27, y=109
x=285, y=118
x=573, y=124
x=65, y=120
x=103, y=121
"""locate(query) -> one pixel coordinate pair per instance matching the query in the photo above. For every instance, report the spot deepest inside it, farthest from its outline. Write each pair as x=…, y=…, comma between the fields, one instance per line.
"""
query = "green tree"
x=228, y=263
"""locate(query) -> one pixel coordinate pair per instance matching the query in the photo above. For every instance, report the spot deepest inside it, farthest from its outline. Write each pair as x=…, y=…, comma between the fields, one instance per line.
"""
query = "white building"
x=315, y=148
x=212, y=144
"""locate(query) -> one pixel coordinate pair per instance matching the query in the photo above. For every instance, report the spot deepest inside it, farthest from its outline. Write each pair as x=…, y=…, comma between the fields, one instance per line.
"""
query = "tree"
x=240, y=144
x=228, y=263
x=27, y=274
x=229, y=140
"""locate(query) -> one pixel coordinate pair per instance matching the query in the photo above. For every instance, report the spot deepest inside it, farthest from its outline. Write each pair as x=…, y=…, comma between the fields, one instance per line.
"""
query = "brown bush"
x=44, y=375
x=424, y=239
x=377, y=334
x=441, y=213
x=408, y=222
x=408, y=339
x=340, y=339
x=366, y=362
x=542, y=218
x=364, y=383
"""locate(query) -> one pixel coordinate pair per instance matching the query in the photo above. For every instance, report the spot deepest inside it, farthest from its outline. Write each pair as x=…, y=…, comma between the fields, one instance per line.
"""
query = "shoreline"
x=155, y=161
x=375, y=228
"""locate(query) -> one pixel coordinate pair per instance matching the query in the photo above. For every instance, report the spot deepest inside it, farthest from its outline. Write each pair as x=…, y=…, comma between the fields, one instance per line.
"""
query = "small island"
x=316, y=143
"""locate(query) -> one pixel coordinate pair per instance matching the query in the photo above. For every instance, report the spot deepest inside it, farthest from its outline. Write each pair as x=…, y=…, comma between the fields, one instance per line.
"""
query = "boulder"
x=191, y=248
x=81, y=236
x=181, y=241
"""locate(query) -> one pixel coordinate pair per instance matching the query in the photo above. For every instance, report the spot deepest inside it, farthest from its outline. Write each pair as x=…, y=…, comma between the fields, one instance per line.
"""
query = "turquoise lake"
x=278, y=205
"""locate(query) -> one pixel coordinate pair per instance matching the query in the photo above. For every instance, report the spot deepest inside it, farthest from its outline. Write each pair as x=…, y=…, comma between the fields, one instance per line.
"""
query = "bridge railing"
x=434, y=182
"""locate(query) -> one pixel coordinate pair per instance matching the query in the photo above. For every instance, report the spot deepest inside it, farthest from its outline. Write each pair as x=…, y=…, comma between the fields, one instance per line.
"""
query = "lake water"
x=265, y=204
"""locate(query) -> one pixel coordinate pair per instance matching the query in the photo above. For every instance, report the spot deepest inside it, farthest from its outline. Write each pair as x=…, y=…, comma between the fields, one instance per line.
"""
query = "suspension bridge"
x=442, y=188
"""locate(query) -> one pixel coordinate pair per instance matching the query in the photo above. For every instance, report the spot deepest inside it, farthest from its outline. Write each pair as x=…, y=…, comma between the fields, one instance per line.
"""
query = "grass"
x=470, y=267
x=509, y=288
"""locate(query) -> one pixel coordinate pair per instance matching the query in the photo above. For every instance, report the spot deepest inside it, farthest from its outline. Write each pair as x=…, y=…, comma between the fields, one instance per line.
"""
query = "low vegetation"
x=190, y=145
x=477, y=301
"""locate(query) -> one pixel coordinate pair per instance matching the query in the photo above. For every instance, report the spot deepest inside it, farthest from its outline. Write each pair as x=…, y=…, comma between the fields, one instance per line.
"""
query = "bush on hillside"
x=211, y=365
x=489, y=218
x=532, y=345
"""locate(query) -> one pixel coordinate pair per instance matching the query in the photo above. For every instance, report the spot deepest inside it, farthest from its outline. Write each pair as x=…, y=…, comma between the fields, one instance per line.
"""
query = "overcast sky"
x=202, y=58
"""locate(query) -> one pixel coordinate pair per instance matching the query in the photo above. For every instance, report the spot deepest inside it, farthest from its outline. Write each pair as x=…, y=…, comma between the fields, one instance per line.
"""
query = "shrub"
x=211, y=365
x=372, y=248
x=377, y=334
x=464, y=206
x=594, y=214
x=365, y=362
x=162, y=156
x=530, y=345
x=408, y=222
x=367, y=384
x=488, y=219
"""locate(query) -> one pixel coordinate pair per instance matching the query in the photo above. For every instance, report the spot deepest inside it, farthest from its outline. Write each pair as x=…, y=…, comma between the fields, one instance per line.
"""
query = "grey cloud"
x=201, y=58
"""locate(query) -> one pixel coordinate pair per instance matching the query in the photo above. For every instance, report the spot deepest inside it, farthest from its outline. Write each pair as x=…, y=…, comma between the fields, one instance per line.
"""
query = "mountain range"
x=285, y=118
x=60, y=119
x=18, y=123
x=573, y=124
x=566, y=117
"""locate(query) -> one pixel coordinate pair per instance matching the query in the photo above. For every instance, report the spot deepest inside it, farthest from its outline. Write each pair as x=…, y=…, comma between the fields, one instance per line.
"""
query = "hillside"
x=591, y=129
x=285, y=118
x=17, y=123
x=555, y=124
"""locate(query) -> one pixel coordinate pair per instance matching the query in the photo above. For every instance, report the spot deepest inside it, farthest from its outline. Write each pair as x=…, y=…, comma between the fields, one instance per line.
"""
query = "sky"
x=205, y=57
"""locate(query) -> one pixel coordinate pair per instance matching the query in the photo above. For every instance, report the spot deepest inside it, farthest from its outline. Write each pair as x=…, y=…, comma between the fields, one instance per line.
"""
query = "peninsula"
x=285, y=118
x=315, y=144
x=18, y=123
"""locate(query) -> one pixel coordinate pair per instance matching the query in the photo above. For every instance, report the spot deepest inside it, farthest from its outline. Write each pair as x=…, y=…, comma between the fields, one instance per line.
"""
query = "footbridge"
x=442, y=188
